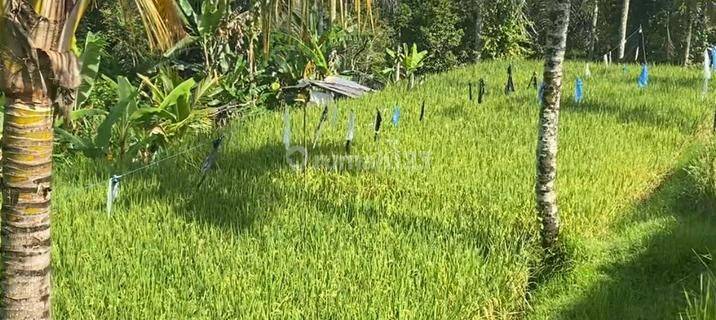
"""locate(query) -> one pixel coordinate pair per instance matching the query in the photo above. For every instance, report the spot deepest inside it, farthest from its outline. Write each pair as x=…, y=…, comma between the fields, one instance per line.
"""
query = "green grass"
x=456, y=240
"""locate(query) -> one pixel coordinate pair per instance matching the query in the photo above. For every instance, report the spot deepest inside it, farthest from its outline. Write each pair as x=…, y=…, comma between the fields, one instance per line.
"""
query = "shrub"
x=434, y=27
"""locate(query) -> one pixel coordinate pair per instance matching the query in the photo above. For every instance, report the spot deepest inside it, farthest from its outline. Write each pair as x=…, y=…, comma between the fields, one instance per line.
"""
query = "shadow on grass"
x=644, y=115
x=647, y=279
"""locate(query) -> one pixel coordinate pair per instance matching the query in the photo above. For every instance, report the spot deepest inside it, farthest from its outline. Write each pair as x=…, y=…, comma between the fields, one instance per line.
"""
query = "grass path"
x=456, y=239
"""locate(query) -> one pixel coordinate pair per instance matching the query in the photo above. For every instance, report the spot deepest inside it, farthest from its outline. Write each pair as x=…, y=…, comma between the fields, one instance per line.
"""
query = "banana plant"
x=178, y=106
x=89, y=68
x=410, y=59
x=100, y=143
x=204, y=24
x=309, y=56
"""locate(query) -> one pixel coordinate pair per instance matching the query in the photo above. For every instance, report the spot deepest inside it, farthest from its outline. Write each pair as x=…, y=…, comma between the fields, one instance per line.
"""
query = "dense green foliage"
x=454, y=239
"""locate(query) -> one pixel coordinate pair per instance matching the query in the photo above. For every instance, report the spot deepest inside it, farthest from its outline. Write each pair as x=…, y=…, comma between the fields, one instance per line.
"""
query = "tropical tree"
x=545, y=188
x=38, y=72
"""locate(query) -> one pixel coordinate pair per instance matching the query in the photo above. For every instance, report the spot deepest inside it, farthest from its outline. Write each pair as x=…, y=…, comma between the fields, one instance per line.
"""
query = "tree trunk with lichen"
x=545, y=188
x=687, y=46
x=593, y=38
x=623, y=29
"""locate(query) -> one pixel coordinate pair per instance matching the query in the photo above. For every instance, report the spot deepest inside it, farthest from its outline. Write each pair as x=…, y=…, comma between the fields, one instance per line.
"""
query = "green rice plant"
x=454, y=237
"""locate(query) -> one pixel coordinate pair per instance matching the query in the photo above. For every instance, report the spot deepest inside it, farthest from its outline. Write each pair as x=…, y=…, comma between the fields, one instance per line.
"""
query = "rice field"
x=435, y=220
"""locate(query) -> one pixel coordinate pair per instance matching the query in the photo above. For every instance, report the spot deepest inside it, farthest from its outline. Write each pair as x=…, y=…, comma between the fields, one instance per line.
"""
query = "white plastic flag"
x=286, y=129
x=112, y=192
x=321, y=98
x=707, y=74
x=587, y=72
x=334, y=115
x=707, y=67
x=351, y=131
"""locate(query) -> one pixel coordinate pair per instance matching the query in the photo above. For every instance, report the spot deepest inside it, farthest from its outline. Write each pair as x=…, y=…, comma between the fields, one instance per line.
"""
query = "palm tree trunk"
x=27, y=172
x=41, y=69
x=687, y=49
x=593, y=32
x=623, y=29
x=545, y=189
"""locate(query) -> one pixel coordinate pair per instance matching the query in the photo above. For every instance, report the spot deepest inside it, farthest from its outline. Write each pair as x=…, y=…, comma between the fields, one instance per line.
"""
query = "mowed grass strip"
x=452, y=237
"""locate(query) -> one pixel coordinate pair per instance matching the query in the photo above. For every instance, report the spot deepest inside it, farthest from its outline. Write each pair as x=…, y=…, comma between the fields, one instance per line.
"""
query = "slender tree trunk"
x=669, y=44
x=545, y=189
x=623, y=29
x=333, y=11
x=593, y=37
x=397, y=65
x=478, y=32
x=687, y=49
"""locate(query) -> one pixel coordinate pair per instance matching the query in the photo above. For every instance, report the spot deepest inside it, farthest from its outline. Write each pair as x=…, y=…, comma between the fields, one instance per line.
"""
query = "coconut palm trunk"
x=37, y=68
x=545, y=189
x=623, y=29
x=39, y=72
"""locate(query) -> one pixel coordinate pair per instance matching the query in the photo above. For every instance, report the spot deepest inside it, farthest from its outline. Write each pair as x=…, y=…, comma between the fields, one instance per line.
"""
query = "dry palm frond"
x=162, y=21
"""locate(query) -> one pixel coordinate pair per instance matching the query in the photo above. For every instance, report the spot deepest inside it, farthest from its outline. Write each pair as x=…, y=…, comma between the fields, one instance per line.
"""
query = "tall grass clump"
x=703, y=173
x=701, y=305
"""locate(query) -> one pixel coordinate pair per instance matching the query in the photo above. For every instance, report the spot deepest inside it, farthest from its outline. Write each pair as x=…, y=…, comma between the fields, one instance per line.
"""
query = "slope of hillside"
x=436, y=222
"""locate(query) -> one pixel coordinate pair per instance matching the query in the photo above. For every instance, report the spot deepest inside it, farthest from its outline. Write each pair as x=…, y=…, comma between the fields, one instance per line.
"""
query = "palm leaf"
x=71, y=23
x=163, y=22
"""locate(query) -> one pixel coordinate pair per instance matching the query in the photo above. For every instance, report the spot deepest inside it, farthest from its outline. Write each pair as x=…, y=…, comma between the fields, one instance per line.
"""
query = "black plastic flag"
x=351, y=131
x=324, y=118
x=378, y=122
x=422, y=111
x=481, y=92
x=210, y=160
x=510, y=86
x=533, y=81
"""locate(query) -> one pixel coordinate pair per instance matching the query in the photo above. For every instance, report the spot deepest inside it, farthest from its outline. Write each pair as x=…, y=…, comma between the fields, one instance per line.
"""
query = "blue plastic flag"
x=643, y=80
x=396, y=116
x=540, y=93
x=713, y=58
x=578, y=91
